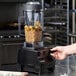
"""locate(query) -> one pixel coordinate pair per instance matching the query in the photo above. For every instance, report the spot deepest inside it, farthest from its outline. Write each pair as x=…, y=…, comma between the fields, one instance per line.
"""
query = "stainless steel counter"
x=62, y=68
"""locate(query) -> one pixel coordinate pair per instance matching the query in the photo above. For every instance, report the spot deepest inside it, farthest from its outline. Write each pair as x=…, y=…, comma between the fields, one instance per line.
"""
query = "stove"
x=10, y=43
x=9, y=34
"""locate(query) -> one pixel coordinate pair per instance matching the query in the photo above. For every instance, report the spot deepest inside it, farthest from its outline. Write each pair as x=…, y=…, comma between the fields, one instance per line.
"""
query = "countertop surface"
x=62, y=68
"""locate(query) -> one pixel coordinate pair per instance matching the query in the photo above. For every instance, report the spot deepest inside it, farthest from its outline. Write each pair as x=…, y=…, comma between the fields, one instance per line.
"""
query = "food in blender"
x=33, y=33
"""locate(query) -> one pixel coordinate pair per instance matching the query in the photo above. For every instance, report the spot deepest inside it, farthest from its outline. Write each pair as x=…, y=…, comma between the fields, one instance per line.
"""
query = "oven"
x=10, y=40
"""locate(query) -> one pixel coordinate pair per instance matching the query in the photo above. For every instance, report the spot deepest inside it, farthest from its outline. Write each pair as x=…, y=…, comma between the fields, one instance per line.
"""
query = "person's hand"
x=60, y=52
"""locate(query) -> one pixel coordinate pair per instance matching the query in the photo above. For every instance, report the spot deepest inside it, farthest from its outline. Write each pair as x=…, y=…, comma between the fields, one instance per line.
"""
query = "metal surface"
x=57, y=18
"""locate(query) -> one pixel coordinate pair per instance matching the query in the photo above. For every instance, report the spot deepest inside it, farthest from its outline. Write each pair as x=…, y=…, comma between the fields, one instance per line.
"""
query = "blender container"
x=33, y=25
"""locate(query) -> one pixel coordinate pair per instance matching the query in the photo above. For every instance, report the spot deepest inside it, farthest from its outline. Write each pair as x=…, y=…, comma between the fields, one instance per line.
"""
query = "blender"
x=33, y=25
x=34, y=57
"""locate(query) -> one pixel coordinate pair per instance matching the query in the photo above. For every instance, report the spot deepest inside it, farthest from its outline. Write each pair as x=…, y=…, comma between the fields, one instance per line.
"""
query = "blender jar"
x=33, y=25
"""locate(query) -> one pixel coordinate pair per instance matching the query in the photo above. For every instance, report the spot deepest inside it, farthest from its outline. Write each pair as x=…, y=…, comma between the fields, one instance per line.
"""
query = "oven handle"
x=10, y=44
x=19, y=25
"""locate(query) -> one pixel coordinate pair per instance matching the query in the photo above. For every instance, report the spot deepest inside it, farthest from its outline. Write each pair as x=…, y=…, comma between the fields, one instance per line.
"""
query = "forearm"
x=71, y=49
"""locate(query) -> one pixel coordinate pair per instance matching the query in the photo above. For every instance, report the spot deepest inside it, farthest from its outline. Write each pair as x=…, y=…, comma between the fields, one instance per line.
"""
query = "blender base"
x=30, y=62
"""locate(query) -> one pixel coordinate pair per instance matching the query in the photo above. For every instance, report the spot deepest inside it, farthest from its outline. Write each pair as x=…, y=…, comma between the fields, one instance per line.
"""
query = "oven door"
x=9, y=52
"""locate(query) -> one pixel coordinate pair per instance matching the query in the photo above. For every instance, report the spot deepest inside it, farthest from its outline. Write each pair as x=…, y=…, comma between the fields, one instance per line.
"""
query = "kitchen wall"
x=10, y=11
x=13, y=0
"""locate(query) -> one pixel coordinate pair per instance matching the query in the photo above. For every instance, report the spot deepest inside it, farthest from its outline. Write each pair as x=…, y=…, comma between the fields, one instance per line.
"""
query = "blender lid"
x=32, y=6
x=32, y=3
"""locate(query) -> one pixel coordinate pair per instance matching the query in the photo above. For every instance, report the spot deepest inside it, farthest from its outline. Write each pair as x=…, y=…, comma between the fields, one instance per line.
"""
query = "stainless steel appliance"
x=10, y=40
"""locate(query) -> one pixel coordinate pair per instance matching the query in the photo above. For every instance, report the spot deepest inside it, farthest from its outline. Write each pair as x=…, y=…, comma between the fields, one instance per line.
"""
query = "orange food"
x=33, y=33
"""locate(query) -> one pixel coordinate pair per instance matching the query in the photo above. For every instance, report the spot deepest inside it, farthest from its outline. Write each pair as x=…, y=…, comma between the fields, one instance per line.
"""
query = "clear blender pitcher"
x=33, y=25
